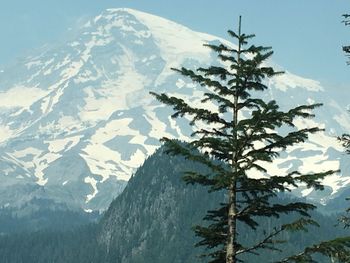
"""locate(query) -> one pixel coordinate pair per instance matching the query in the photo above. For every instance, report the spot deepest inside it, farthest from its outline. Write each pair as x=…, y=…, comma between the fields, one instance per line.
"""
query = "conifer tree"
x=345, y=138
x=345, y=141
x=236, y=137
x=346, y=48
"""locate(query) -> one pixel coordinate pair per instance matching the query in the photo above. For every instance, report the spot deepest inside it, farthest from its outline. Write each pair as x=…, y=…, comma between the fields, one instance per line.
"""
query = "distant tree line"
x=161, y=236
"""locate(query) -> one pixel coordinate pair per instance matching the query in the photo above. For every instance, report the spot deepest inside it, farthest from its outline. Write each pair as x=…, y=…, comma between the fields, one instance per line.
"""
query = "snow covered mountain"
x=77, y=120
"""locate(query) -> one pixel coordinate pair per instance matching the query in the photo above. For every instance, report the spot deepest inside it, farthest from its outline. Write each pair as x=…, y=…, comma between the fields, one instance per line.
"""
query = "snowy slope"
x=78, y=120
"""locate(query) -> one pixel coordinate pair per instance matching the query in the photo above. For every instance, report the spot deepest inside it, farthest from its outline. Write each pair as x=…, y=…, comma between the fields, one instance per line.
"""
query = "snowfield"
x=79, y=118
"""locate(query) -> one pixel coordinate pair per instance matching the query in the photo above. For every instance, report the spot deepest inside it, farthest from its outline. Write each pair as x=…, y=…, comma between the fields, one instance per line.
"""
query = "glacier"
x=77, y=120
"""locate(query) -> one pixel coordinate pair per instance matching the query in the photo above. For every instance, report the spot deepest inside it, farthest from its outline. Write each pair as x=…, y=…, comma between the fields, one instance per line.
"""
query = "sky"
x=306, y=35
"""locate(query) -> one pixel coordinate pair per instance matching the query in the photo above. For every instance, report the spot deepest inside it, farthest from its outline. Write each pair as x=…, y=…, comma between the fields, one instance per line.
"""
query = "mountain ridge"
x=151, y=222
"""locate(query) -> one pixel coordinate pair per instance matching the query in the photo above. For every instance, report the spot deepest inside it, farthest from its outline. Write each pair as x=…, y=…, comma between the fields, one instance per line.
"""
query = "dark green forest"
x=150, y=222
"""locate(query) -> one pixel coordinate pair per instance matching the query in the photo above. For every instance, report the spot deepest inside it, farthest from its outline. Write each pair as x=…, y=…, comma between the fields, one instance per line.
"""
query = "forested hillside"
x=150, y=222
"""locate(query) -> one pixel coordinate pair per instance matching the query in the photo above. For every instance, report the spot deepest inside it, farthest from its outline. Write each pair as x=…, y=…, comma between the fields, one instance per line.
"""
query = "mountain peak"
x=88, y=121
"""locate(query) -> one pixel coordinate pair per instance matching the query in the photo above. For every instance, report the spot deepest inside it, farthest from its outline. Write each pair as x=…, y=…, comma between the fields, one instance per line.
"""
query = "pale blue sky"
x=306, y=35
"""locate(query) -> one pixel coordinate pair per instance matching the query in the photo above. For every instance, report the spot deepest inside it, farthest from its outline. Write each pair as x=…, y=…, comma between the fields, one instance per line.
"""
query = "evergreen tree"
x=345, y=138
x=234, y=146
x=346, y=21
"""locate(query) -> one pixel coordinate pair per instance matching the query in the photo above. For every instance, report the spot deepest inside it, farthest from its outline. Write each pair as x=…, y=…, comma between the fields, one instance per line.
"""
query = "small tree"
x=346, y=21
x=345, y=138
x=235, y=147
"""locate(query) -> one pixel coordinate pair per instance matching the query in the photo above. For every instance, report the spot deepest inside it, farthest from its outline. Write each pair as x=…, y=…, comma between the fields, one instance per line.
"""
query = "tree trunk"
x=231, y=248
